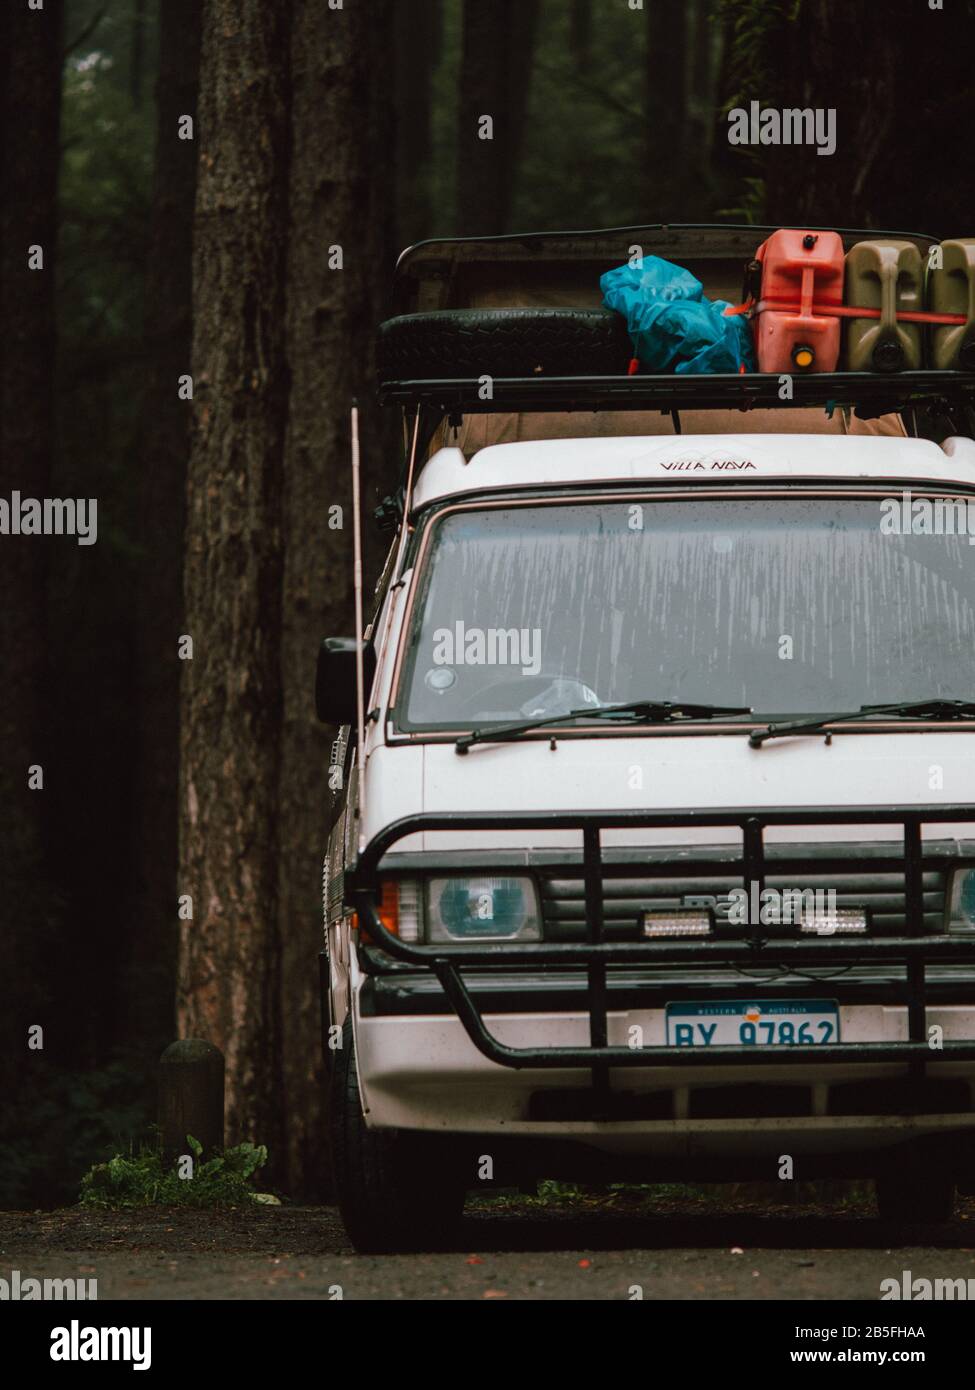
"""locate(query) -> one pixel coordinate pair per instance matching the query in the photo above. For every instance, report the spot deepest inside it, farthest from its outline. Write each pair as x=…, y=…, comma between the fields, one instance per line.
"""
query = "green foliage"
x=590, y=120
x=589, y=139
x=549, y=1190
x=143, y=1180
x=759, y=29
x=104, y=197
x=617, y=1196
x=760, y=36
x=750, y=207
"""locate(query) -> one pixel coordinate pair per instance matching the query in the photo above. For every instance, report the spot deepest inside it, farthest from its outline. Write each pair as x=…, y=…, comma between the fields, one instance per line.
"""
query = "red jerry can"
x=801, y=272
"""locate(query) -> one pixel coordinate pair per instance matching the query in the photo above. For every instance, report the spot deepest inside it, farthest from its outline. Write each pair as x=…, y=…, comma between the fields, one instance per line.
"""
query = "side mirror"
x=335, y=679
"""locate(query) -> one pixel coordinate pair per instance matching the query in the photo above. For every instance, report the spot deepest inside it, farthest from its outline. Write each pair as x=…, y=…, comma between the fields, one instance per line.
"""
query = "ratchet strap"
x=785, y=305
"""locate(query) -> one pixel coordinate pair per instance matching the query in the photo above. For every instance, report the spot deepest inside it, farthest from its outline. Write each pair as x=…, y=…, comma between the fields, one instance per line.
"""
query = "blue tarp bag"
x=673, y=327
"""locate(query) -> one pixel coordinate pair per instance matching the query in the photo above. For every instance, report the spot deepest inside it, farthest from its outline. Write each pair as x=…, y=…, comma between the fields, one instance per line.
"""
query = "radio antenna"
x=360, y=693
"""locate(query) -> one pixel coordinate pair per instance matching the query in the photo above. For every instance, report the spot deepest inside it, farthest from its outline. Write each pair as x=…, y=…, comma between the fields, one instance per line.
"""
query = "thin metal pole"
x=360, y=693
x=408, y=494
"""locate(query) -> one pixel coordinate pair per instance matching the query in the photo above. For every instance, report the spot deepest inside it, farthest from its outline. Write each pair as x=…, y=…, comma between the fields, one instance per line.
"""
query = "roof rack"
x=453, y=272
x=870, y=393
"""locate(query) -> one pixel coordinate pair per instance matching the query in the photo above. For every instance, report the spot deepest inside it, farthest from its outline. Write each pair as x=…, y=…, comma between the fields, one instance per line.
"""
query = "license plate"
x=772, y=1023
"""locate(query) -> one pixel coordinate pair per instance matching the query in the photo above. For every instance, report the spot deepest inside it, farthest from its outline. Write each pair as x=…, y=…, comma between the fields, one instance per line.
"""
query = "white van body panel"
x=689, y=457
x=422, y=1072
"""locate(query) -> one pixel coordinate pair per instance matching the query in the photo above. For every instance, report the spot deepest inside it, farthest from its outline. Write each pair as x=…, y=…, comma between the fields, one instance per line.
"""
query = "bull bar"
x=913, y=951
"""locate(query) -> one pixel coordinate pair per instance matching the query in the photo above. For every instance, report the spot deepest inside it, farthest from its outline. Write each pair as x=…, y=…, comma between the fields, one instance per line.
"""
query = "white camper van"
x=654, y=857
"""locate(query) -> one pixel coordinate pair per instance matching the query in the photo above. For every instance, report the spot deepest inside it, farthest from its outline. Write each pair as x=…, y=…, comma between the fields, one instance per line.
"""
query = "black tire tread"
x=390, y=1193
x=503, y=342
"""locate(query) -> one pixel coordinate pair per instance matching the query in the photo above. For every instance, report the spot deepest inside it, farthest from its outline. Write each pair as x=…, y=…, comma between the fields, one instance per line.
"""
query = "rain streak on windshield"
x=791, y=605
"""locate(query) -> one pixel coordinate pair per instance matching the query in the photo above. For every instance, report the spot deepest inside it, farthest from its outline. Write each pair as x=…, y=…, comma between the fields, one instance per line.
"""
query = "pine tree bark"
x=703, y=36
x=910, y=107
x=340, y=207
x=495, y=75
x=291, y=244
x=138, y=50
x=666, y=106
x=417, y=35
x=30, y=43
x=228, y=981
x=868, y=101
x=30, y=107
x=162, y=483
x=580, y=34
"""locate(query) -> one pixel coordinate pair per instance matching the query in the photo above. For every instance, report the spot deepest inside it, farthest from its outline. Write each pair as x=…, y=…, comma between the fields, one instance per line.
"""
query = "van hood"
x=676, y=773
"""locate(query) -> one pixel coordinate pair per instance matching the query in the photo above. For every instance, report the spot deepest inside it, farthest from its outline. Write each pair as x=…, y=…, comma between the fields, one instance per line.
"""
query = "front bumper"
x=906, y=959
x=423, y=1073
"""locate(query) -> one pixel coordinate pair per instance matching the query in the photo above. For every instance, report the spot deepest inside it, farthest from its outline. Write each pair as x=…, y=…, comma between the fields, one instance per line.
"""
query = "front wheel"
x=915, y=1196
x=395, y=1191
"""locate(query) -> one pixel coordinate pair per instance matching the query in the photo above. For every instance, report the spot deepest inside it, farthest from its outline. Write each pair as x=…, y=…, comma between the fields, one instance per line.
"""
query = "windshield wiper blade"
x=633, y=712
x=917, y=709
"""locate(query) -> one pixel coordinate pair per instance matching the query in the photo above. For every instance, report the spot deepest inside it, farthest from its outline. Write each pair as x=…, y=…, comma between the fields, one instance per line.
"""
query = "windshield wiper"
x=634, y=712
x=916, y=709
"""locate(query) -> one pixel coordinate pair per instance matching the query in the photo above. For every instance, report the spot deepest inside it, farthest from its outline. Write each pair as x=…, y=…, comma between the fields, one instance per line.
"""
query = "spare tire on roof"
x=504, y=342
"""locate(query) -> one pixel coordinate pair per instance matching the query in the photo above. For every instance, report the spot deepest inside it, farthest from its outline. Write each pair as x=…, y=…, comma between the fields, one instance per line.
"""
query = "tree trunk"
x=339, y=199
x=580, y=34
x=701, y=117
x=162, y=484
x=228, y=983
x=666, y=104
x=522, y=28
x=829, y=190
x=137, y=61
x=495, y=71
x=908, y=107
x=417, y=36
x=291, y=243
x=30, y=93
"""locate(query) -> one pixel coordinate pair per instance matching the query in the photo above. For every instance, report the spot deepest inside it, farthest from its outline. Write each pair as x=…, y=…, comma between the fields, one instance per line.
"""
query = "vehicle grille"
x=879, y=889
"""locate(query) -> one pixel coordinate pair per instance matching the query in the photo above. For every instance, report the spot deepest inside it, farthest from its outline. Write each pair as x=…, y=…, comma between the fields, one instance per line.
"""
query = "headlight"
x=475, y=908
x=961, y=901
x=482, y=908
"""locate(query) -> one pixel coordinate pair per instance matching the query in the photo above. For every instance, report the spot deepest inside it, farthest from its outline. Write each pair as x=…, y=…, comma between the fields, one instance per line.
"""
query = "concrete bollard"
x=191, y=1074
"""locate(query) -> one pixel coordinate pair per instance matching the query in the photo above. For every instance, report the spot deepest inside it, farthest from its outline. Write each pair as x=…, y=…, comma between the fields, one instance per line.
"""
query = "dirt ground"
x=600, y=1248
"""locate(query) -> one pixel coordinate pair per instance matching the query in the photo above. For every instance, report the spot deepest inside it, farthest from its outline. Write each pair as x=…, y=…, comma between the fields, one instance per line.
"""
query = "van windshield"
x=785, y=605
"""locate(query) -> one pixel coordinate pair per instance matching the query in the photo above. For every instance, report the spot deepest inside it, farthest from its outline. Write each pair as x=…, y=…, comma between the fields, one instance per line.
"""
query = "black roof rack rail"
x=870, y=393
